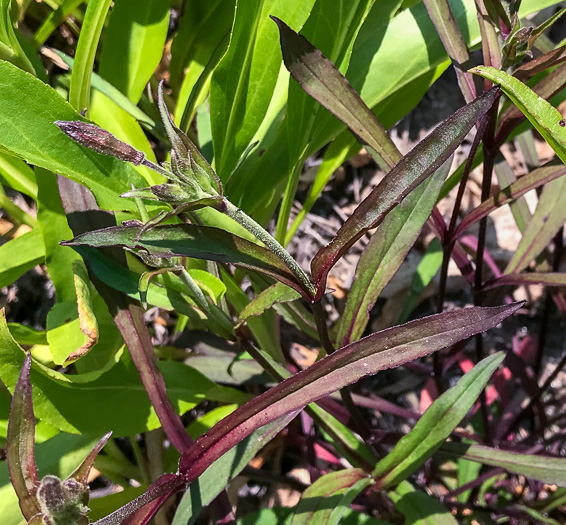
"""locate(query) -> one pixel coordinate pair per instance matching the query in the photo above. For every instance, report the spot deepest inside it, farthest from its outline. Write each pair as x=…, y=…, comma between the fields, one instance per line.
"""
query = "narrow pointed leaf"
x=161, y=489
x=323, y=81
x=545, y=468
x=20, y=444
x=379, y=351
x=531, y=181
x=414, y=168
x=526, y=279
x=385, y=253
x=435, y=425
x=419, y=508
x=329, y=494
x=547, y=120
x=275, y=294
x=83, y=470
x=548, y=218
x=189, y=240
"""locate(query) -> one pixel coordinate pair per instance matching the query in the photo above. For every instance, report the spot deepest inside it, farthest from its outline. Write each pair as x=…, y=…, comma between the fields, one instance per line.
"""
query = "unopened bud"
x=100, y=140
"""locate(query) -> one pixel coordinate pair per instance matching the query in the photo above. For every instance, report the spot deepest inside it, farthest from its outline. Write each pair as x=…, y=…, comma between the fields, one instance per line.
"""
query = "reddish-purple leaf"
x=190, y=240
x=535, y=179
x=526, y=279
x=20, y=445
x=100, y=140
x=322, y=80
x=386, y=349
x=538, y=64
x=83, y=470
x=425, y=158
x=142, y=509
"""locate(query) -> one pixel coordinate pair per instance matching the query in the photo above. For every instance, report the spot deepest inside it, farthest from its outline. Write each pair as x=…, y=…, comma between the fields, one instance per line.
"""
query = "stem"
x=287, y=202
x=243, y=219
x=205, y=305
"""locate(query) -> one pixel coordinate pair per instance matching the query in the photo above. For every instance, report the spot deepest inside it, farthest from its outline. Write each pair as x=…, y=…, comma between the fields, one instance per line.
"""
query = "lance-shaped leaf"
x=425, y=158
x=190, y=240
x=379, y=351
x=385, y=253
x=546, y=468
x=80, y=475
x=142, y=506
x=275, y=294
x=435, y=425
x=543, y=116
x=328, y=498
x=531, y=181
x=20, y=445
x=322, y=80
x=526, y=279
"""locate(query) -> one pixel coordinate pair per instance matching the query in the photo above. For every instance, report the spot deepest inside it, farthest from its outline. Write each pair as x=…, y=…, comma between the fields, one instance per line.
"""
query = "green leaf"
x=189, y=240
x=201, y=492
x=385, y=253
x=18, y=175
x=29, y=132
x=10, y=48
x=276, y=294
x=435, y=425
x=79, y=93
x=379, y=351
x=119, y=388
x=419, y=508
x=20, y=255
x=545, y=468
x=329, y=496
x=547, y=120
x=425, y=158
x=53, y=20
x=133, y=44
x=243, y=82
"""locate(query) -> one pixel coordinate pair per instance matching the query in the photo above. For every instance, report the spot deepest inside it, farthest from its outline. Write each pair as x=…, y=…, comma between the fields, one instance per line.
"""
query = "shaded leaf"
x=20, y=444
x=435, y=425
x=329, y=496
x=216, y=477
x=545, y=468
x=526, y=279
x=189, y=240
x=419, y=508
x=379, y=351
x=532, y=180
x=277, y=293
x=19, y=255
x=425, y=158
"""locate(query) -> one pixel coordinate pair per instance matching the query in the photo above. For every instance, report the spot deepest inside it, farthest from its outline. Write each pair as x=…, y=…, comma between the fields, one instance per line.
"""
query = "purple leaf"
x=425, y=158
x=386, y=349
x=142, y=509
x=83, y=470
x=189, y=240
x=20, y=445
x=322, y=80
x=97, y=139
x=526, y=279
x=535, y=179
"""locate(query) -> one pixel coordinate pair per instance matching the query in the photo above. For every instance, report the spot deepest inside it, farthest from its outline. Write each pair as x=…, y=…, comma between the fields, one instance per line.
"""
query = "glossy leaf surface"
x=379, y=351
x=425, y=158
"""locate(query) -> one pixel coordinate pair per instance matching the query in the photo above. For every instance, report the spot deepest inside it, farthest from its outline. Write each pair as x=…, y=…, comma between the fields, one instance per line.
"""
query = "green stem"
x=205, y=305
x=287, y=203
x=14, y=211
x=261, y=234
